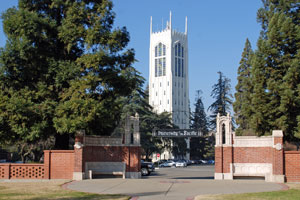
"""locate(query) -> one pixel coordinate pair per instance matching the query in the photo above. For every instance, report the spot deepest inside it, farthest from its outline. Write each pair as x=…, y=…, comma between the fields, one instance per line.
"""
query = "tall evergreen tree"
x=62, y=69
x=244, y=90
x=199, y=118
x=137, y=102
x=199, y=146
x=276, y=73
x=223, y=99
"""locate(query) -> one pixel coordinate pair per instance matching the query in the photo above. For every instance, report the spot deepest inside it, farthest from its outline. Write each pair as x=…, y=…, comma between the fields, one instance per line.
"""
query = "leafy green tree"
x=244, y=90
x=63, y=68
x=223, y=99
x=276, y=75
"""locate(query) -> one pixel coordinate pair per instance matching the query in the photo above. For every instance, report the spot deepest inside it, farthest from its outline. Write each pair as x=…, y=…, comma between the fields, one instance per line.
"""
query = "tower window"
x=160, y=60
x=175, y=66
x=179, y=66
x=223, y=134
x=164, y=92
x=182, y=69
x=179, y=60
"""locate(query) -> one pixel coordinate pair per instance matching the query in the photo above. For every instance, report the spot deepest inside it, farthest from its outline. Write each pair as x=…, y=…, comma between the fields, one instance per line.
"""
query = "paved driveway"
x=173, y=183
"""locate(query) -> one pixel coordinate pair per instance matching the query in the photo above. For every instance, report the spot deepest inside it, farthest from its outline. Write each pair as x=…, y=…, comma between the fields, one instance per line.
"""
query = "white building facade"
x=168, y=75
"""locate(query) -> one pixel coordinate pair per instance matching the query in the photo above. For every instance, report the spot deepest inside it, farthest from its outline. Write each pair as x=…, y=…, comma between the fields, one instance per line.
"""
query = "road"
x=173, y=184
x=190, y=172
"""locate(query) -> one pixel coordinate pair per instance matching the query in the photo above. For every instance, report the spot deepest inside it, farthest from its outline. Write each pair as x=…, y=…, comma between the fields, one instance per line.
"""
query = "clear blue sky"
x=217, y=31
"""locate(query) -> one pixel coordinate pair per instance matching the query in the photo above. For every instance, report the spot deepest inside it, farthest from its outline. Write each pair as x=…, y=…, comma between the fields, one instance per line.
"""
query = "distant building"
x=168, y=75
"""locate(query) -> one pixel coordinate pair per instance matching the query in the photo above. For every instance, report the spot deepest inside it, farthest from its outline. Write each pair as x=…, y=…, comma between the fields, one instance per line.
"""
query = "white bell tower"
x=168, y=73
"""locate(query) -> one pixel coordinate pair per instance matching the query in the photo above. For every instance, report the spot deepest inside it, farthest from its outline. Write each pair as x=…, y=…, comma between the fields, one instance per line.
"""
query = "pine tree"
x=244, y=90
x=199, y=145
x=199, y=118
x=63, y=69
x=222, y=94
x=137, y=102
x=276, y=77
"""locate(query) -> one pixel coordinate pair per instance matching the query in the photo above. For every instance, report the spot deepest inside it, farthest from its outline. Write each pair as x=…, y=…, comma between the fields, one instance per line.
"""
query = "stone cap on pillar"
x=277, y=133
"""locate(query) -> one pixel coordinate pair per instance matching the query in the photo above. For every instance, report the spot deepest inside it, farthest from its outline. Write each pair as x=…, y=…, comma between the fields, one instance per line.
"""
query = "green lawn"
x=293, y=193
x=48, y=190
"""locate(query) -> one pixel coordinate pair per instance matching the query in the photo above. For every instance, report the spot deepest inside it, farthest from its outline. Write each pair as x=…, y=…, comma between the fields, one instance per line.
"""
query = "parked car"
x=188, y=162
x=181, y=163
x=146, y=168
x=195, y=162
x=204, y=161
x=211, y=162
x=168, y=164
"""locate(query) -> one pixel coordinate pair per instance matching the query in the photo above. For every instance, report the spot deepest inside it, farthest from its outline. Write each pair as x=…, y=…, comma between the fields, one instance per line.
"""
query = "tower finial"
x=186, y=26
x=170, y=20
x=150, y=25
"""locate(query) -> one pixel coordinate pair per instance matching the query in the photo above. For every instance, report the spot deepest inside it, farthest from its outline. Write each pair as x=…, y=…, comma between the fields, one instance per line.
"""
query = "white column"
x=187, y=155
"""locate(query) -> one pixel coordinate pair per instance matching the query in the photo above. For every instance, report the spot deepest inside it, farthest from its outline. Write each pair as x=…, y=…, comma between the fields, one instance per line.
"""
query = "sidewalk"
x=171, y=189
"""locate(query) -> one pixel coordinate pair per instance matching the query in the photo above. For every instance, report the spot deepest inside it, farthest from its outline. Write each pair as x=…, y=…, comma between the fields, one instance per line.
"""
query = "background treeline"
x=268, y=90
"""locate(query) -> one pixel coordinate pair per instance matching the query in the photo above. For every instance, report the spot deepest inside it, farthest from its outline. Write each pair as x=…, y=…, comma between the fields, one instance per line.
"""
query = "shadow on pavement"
x=208, y=177
x=147, y=194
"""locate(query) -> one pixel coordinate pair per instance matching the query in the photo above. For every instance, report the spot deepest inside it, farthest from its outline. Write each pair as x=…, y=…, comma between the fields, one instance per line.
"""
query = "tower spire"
x=186, y=26
x=150, y=25
x=170, y=20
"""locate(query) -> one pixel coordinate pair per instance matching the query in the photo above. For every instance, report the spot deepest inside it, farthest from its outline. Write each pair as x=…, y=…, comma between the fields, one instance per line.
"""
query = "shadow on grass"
x=85, y=197
x=70, y=196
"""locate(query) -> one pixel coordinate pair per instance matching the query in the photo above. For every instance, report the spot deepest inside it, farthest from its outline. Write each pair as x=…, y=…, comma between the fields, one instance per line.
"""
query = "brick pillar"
x=132, y=160
x=278, y=160
x=223, y=147
x=78, y=173
x=227, y=159
x=47, y=159
x=6, y=171
x=219, y=159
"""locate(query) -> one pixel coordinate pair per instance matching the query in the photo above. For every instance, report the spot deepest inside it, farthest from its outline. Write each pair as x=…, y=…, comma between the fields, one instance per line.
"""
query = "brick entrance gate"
x=243, y=156
x=91, y=153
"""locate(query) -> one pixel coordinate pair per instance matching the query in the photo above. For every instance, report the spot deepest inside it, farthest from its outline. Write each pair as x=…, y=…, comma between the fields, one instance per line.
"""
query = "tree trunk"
x=62, y=141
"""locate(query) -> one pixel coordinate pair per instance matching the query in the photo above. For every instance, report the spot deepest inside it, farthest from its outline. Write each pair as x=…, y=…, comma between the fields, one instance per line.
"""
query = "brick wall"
x=252, y=154
x=248, y=155
x=292, y=166
x=128, y=154
x=60, y=164
x=22, y=171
